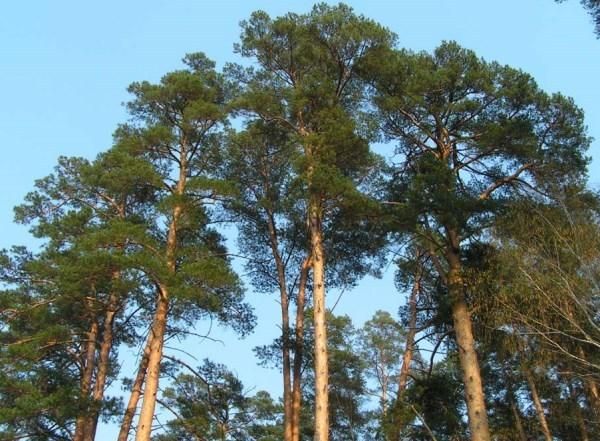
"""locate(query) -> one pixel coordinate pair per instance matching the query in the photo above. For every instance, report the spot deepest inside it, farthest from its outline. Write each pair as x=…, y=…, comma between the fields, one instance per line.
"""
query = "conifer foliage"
x=479, y=189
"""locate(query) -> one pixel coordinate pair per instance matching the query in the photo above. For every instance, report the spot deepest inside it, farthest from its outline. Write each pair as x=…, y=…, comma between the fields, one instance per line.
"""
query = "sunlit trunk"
x=320, y=321
x=103, y=363
x=463, y=329
x=136, y=393
x=159, y=325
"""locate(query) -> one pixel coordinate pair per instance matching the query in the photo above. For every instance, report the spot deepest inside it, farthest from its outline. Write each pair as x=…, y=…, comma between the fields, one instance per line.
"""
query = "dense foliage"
x=477, y=196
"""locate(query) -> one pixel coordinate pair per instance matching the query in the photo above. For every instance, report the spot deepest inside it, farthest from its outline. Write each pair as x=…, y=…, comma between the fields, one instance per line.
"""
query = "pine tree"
x=306, y=83
x=78, y=280
x=471, y=134
x=176, y=130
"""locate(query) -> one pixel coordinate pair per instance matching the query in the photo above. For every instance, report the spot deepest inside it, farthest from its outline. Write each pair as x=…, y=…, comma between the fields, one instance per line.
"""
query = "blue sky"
x=65, y=65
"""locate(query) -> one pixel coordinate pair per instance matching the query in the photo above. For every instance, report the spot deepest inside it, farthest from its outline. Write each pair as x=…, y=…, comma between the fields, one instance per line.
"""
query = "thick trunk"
x=285, y=326
x=299, y=350
x=103, y=364
x=320, y=321
x=136, y=393
x=539, y=408
x=86, y=381
x=157, y=332
x=463, y=329
x=475, y=398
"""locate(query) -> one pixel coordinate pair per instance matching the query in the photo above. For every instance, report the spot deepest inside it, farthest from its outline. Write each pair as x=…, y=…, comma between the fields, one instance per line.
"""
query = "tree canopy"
x=330, y=154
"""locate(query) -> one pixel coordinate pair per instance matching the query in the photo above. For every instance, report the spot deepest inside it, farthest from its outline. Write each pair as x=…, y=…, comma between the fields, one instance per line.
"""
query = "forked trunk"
x=463, y=329
x=539, y=408
x=159, y=325
x=103, y=364
x=136, y=393
x=299, y=350
x=157, y=332
x=320, y=321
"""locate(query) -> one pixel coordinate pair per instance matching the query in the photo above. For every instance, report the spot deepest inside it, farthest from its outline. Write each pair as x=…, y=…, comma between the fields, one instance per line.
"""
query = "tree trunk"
x=516, y=414
x=410, y=338
x=591, y=388
x=593, y=395
x=287, y=382
x=86, y=381
x=299, y=350
x=538, y=405
x=518, y=422
x=285, y=329
x=578, y=414
x=463, y=328
x=159, y=325
x=103, y=363
x=409, y=347
x=157, y=332
x=320, y=321
x=136, y=393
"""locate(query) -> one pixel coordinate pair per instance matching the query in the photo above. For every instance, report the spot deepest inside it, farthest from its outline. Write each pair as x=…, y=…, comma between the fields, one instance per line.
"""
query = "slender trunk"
x=285, y=330
x=159, y=325
x=591, y=388
x=539, y=408
x=410, y=338
x=103, y=362
x=320, y=322
x=578, y=414
x=86, y=381
x=593, y=395
x=383, y=398
x=463, y=328
x=409, y=347
x=518, y=422
x=158, y=330
x=136, y=393
x=299, y=350
x=516, y=414
x=287, y=381
x=581, y=423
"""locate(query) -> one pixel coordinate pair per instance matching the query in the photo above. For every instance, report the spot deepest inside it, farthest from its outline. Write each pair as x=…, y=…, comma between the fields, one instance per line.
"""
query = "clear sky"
x=65, y=65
